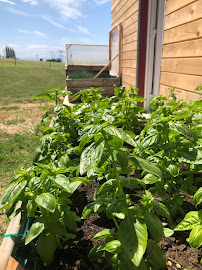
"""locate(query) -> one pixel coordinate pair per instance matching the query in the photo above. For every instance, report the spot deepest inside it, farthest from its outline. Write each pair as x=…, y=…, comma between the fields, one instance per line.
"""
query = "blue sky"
x=42, y=27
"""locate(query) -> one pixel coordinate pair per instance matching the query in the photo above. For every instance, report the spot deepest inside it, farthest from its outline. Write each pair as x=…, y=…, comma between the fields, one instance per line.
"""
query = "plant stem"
x=115, y=222
x=120, y=189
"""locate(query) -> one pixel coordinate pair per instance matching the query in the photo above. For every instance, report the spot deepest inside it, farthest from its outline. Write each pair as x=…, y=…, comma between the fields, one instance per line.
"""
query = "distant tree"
x=10, y=53
x=54, y=60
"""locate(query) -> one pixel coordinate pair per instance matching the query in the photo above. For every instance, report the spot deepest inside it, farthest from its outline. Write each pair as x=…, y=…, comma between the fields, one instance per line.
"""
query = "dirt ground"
x=177, y=251
x=17, y=118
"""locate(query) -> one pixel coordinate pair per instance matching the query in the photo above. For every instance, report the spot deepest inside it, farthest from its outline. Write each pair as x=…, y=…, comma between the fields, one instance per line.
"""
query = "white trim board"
x=155, y=26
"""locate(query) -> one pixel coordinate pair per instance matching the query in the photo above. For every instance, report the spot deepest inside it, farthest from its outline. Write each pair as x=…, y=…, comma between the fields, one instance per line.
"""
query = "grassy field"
x=21, y=113
x=19, y=83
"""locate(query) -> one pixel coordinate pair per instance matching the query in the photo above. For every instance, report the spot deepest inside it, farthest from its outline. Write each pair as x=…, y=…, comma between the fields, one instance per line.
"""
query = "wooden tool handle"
x=105, y=66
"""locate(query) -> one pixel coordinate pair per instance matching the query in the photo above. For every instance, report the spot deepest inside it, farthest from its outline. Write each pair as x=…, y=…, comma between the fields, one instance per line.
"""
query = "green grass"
x=81, y=74
x=14, y=121
x=17, y=151
x=26, y=63
x=10, y=108
x=19, y=84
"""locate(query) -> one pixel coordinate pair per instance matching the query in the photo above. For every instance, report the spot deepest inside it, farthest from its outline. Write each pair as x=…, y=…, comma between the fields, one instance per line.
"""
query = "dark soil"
x=177, y=251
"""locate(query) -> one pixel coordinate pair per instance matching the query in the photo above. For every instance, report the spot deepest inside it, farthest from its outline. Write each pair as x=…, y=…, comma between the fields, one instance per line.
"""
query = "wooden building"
x=161, y=45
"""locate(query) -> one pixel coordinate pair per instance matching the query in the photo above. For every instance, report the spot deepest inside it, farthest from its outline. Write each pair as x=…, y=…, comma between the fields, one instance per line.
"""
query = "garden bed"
x=177, y=251
x=75, y=85
x=111, y=188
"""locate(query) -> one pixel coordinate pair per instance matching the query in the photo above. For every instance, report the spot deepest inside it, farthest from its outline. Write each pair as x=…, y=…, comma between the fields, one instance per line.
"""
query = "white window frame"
x=154, y=49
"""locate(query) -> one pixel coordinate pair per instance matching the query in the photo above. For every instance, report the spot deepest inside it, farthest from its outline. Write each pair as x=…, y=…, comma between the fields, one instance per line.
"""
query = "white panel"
x=78, y=54
x=114, y=70
x=156, y=16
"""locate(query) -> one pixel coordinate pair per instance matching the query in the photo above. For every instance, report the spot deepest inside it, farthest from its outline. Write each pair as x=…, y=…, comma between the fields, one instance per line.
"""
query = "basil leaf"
x=47, y=201
x=12, y=192
x=133, y=238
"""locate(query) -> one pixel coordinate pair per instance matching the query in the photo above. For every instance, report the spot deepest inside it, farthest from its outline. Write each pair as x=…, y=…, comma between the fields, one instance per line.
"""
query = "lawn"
x=19, y=83
x=21, y=113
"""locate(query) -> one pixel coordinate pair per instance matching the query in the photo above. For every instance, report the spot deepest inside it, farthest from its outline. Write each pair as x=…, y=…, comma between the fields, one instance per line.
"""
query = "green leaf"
x=73, y=186
x=188, y=155
x=12, y=192
x=154, y=226
x=31, y=208
x=129, y=182
x=65, y=184
x=69, y=219
x=146, y=166
x=189, y=222
x=114, y=208
x=91, y=155
x=122, y=159
x=90, y=209
x=84, y=140
x=173, y=169
x=58, y=228
x=156, y=255
x=36, y=228
x=182, y=129
x=198, y=197
x=199, y=88
x=133, y=238
x=195, y=237
x=118, y=132
x=160, y=209
x=106, y=187
x=46, y=247
x=47, y=201
x=64, y=161
x=102, y=234
x=168, y=232
x=150, y=179
x=95, y=253
x=116, y=142
x=127, y=264
x=113, y=246
x=149, y=141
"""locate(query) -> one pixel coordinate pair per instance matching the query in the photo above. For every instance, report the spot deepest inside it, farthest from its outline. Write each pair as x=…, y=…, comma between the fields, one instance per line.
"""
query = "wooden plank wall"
x=182, y=48
x=126, y=12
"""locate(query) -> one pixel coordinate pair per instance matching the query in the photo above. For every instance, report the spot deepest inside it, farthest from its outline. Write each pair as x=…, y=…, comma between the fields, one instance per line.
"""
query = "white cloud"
x=38, y=47
x=83, y=30
x=7, y=1
x=12, y=45
x=101, y=2
x=18, y=12
x=32, y=2
x=66, y=8
x=51, y=21
x=35, y=32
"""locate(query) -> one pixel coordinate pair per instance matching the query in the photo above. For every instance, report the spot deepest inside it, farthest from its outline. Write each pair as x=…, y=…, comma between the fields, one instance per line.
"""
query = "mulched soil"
x=177, y=251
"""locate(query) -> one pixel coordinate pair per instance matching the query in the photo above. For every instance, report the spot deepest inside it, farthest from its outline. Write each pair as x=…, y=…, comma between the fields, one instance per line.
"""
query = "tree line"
x=9, y=53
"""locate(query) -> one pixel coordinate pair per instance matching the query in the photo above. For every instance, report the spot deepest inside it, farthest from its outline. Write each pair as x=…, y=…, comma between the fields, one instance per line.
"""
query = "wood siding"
x=182, y=48
x=126, y=12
